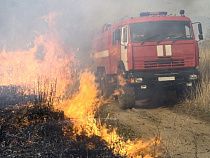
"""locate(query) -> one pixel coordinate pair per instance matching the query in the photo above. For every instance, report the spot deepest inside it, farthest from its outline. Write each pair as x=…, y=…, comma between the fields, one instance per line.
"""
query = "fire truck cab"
x=153, y=51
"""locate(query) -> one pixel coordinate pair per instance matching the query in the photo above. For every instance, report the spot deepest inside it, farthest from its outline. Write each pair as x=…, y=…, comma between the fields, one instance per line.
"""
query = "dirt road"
x=182, y=135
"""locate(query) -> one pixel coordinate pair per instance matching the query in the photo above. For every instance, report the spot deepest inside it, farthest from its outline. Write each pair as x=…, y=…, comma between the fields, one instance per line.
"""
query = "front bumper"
x=169, y=79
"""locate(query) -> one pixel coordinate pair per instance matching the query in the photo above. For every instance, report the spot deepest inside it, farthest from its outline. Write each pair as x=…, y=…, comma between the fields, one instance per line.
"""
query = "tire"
x=180, y=94
x=185, y=92
x=106, y=87
x=126, y=94
x=126, y=98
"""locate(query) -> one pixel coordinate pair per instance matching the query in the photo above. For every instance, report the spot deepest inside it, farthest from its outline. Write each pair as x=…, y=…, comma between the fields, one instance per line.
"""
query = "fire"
x=46, y=68
x=44, y=65
x=82, y=108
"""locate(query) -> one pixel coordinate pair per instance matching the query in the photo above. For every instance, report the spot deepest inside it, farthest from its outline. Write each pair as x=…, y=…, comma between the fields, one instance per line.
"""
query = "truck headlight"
x=189, y=84
x=193, y=77
x=138, y=80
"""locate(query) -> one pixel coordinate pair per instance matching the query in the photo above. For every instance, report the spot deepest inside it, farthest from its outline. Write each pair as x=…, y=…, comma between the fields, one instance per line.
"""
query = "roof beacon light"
x=152, y=13
x=182, y=12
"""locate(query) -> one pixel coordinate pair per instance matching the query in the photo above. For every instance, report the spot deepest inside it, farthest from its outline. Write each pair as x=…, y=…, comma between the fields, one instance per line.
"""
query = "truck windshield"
x=160, y=31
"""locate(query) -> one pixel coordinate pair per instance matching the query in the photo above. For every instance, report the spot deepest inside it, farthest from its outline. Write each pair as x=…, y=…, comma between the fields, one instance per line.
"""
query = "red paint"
x=144, y=56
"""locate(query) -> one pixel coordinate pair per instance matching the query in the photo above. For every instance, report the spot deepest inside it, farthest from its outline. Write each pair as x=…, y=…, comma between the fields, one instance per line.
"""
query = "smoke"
x=21, y=20
x=188, y=3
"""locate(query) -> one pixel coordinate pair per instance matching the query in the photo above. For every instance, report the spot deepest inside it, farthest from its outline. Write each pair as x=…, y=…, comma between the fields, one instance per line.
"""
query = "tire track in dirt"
x=182, y=135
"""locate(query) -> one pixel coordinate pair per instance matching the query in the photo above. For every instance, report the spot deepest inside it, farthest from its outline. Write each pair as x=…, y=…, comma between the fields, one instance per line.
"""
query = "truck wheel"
x=185, y=92
x=180, y=94
x=126, y=94
x=105, y=85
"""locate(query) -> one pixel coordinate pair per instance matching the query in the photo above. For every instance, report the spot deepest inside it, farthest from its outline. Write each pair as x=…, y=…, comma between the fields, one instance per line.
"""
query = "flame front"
x=45, y=63
x=48, y=66
x=81, y=109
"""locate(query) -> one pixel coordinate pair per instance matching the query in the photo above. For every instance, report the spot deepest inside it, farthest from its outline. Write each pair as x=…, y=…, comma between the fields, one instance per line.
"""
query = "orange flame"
x=81, y=109
x=45, y=64
x=52, y=70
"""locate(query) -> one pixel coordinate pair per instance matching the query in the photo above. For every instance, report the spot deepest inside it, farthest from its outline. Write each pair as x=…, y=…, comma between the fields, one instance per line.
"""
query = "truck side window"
x=116, y=36
x=113, y=39
x=188, y=31
x=124, y=34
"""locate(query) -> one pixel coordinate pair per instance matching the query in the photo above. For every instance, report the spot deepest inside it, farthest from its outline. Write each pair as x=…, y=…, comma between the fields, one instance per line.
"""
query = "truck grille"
x=164, y=63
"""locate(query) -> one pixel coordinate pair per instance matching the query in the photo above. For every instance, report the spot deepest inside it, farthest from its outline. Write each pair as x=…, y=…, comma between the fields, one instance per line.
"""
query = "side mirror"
x=200, y=28
x=117, y=35
x=200, y=37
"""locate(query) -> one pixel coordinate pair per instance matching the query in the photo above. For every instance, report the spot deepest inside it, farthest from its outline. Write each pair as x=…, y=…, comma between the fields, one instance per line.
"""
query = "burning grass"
x=60, y=119
x=82, y=109
x=39, y=129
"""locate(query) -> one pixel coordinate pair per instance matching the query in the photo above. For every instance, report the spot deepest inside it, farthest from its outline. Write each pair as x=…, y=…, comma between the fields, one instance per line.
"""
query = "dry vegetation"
x=199, y=103
x=37, y=130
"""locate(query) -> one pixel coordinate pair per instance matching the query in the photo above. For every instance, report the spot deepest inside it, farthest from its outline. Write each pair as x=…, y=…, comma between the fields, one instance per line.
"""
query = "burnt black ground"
x=39, y=132
x=11, y=95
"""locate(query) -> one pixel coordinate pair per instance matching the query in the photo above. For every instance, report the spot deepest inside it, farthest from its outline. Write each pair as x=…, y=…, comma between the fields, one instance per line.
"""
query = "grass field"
x=199, y=103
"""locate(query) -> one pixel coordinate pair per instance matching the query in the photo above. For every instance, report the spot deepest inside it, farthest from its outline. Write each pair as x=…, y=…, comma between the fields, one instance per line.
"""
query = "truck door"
x=124, y=43
x=115, y=50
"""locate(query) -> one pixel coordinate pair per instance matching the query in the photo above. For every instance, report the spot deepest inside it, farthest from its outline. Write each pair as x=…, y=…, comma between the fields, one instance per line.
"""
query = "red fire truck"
x=151, y=52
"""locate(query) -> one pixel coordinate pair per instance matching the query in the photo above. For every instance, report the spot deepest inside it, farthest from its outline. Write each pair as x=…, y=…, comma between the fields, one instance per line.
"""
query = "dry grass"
x=205, y=59
x=37, y=130
x=199, y=104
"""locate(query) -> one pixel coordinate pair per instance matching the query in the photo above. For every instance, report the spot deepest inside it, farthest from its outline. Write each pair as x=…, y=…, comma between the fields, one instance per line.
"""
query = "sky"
x=79, y=20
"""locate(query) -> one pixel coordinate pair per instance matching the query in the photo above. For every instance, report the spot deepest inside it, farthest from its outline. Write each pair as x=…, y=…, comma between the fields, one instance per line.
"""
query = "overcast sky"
x=80, y=19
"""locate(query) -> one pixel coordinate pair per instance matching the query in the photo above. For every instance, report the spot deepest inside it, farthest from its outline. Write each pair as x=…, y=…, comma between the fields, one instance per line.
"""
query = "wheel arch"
x=100, y=69
x=121, y=65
